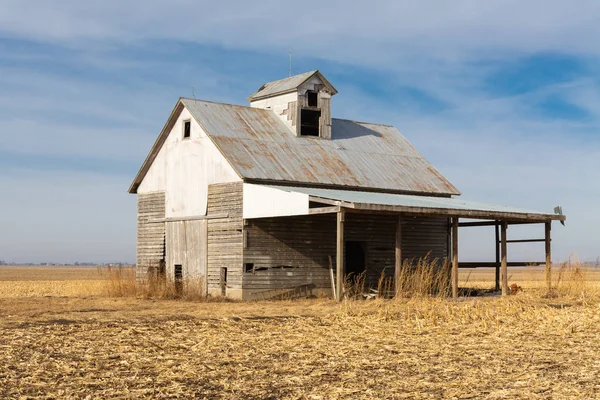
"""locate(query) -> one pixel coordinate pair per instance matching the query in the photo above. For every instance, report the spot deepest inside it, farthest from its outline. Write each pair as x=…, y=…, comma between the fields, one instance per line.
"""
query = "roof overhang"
x=361, y=201
x=164, y=133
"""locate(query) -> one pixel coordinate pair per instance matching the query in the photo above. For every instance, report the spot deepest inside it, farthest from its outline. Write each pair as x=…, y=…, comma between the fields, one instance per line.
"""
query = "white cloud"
x=358, y=32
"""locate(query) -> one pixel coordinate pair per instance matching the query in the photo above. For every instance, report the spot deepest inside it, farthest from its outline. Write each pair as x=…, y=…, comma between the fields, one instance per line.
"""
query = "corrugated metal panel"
x=281, y=86
x=387, y=199
x=260, y=146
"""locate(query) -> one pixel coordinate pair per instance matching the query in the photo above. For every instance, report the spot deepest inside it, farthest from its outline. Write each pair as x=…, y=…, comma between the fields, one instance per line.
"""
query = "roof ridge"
x=218, y=102
x=287, y=85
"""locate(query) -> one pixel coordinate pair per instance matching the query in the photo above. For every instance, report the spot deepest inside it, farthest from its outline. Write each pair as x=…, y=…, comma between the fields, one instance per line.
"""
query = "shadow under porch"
x=284, y=253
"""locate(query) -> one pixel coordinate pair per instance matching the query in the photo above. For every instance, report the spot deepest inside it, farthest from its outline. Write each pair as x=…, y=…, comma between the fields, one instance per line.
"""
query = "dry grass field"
x=63, y=336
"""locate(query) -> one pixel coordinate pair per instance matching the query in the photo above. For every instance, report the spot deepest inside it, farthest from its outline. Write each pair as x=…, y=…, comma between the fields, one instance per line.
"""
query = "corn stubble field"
x=86, y=333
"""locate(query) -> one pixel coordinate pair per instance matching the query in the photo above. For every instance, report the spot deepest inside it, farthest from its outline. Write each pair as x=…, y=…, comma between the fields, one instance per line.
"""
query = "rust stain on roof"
x=260, y=146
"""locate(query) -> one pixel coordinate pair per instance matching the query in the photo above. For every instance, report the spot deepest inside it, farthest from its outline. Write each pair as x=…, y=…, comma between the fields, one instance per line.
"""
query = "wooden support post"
x=454, y=257
x=339, y=260
x=503, y=269
x=548, y=257
x=497, y=282
x=398, y=264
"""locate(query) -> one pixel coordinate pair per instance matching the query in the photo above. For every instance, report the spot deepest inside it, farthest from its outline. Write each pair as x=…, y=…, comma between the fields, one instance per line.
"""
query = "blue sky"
x=503, y=97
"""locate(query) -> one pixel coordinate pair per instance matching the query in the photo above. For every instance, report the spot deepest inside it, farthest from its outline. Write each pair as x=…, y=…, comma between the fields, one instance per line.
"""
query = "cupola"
x=302, y=101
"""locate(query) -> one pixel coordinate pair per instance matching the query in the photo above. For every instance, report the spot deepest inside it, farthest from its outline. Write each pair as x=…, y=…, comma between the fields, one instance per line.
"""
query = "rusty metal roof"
x=261, y=147
x=426, y=205
x=287, y=85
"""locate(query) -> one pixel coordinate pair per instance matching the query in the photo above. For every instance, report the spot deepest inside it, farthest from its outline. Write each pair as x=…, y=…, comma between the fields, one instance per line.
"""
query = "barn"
x=279, y=196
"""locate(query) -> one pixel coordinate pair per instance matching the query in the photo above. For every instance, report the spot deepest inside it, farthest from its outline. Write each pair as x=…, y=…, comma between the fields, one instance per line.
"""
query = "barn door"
x=196, y=235
x=186, y=245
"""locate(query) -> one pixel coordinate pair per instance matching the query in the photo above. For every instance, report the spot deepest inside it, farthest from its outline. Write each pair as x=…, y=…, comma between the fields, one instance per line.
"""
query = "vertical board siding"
x=186, y=244
x=291, y=251
x=196, y=236
x=225, y=235
x=325, y=120
x=150, y=236
x=175, y=245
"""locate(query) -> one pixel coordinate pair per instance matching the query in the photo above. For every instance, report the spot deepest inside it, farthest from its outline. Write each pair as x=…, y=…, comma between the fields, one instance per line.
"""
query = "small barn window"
x=309, y=122
x=249, y=267
x=312, y=99
x=187, y=126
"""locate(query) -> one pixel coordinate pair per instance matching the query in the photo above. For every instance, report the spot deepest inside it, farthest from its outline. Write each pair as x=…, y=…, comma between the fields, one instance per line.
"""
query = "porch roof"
x=418, y=205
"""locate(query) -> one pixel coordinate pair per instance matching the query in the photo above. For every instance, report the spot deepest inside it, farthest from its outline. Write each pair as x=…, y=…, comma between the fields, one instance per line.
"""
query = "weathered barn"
x=255, y=200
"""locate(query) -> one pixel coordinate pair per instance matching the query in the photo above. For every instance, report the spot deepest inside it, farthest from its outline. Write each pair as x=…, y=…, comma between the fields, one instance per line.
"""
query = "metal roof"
x=287, y=85
x=442, y=206
x=260, y=146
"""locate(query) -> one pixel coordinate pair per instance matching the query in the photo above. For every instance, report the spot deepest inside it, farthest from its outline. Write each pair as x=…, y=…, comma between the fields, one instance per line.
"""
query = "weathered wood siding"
x=150, y=236
x=289, y=252
x=225, y=235
x=421, y=235
x=186, y=244
x=293, y=251
x=325, y=120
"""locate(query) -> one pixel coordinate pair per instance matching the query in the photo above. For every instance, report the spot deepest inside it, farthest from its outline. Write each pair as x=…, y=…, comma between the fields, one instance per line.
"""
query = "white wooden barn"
x=259, y=199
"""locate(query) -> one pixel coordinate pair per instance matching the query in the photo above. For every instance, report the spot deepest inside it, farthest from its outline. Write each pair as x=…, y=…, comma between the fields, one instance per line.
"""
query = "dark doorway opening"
x=223, y=281
x=309, y=122
x=178, y=278
x=356, y=258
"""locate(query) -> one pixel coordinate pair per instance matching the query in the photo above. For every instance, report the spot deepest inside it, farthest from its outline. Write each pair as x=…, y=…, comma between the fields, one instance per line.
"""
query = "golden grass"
x=524, y=346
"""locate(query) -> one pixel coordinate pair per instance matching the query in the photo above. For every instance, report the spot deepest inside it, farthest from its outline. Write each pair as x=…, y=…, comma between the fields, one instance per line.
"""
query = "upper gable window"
x=187, y=128
x=309, y=122
x=312, y=98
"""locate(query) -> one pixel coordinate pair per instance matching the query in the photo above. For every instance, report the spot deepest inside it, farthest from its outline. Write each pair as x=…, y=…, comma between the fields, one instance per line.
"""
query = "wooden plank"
x=493, y=223
x=503, y=270
x=548, y=272
x=525, y=240
x=497, y=266
x=454, y=277
x=332, y=277
x=492, y=264
x=323, y=210
x=398, y=255
x=451, y=212
x=192, y=218
x=340, y=255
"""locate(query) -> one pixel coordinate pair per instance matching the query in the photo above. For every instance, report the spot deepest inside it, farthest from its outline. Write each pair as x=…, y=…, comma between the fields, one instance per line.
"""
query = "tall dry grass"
x=424, y=277
x=573, y=280
x=430, y=278
x=122, y=282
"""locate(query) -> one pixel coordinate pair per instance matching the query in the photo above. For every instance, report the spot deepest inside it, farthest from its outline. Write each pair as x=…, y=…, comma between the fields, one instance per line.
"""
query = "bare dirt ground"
x=80, y=345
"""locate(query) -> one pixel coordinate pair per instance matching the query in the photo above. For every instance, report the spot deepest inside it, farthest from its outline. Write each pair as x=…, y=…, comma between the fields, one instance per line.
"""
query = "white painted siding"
x=261, y=201
x=309, y=85
x=184, y=168
x=279, y=105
